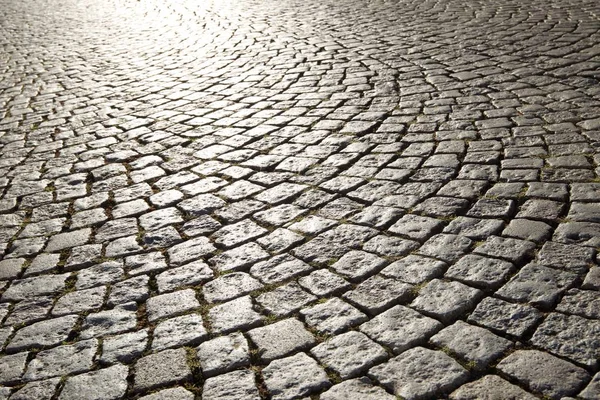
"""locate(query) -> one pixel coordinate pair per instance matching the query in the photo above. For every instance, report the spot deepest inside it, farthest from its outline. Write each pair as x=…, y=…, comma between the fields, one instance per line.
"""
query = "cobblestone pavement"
x=299, y=199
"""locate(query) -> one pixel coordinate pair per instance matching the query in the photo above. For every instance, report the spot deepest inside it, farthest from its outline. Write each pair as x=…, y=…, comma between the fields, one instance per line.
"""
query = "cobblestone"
x=275, y=184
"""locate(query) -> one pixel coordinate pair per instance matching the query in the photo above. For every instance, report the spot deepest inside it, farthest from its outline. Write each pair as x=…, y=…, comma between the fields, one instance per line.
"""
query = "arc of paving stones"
x=247, y=200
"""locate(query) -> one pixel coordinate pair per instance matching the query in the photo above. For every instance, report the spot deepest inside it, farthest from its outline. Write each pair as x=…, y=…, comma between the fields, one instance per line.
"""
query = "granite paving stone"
x=349, y=354
x=162, y=368
x=175, y=174
x=420, y=373
x=280, y=339
x=294, y=377
x=107, y=383
x=223, y=354
x=551, y=376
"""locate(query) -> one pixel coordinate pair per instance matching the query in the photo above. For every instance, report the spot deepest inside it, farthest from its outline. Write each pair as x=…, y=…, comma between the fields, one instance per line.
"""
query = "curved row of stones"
x=237, y=200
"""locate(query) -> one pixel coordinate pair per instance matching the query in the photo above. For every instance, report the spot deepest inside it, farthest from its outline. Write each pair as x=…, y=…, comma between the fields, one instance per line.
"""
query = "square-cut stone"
x=585, y=303
x=360, y=388
x=378, y=293
x=279, y=268
x=420, y=373
x=446, y=301
x=294, y=377
x=108, y=383
x=400, y=328
x=349, y=354
x=479, y=271
x=446, y=247
x=332, y=316
x=355, y=265
x=166, y=305
x=280, y=339
x=229, y=286
x=415, y=269
x=223, y=354
x=471, y=343
x=179, y=331
x=543, y=373
x=62, y=360
x=513, y=250
x=504, y=317
x=537, y=285
x=124, y=348
x=234, y=315
x=45, y=333
x=159, y=369
x=236, y=385
x=416, y=227
x=323, y=282
x=490, y=387
x=570, y=336
x=285, y=299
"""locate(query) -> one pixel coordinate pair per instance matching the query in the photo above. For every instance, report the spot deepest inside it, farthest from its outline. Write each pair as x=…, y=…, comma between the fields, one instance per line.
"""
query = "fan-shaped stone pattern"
x=266, y=199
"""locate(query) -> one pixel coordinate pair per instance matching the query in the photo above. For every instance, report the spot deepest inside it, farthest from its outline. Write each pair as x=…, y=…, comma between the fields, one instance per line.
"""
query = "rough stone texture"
x=471, y=343
x=12, y=367
x=62, y=360
x=544, y=373
x=177, y=393
x=504, y=317
x=42, y=390
x=446, y=301
x=280, y=339
x=490, y=387
x=44, y=333
x=179, y=331
x=109, y=383
x=170, y=304
x=570, y=336
x=332, y=316
x=229, y=286
x=537, y=285
x=119, y=319
x=349, y=354
x=356, y=387
x=295, y=376
x=400, y=328
x=234, y=315
x=163, y=368
x=231, y=386
x=378, y=293
x=124, y=348
x=482, y=272
x=174, y=172
x=223, y=354
x=420, y=373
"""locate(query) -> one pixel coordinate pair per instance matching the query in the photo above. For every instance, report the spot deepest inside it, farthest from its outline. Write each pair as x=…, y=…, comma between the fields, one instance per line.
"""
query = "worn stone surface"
x=179, y=331
x=223, y=354
x=354, y=387
x=108, y=383
x=420, y=373
x=387, y=167
x=400, y=328
x=471, y=343
x=490, y=387
x=295, y=376
x=231, y=386
x=446, y=301
x=349, y=354
x=280, y=339
x=62, y=360
x=163, y=368
x=544, y=373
